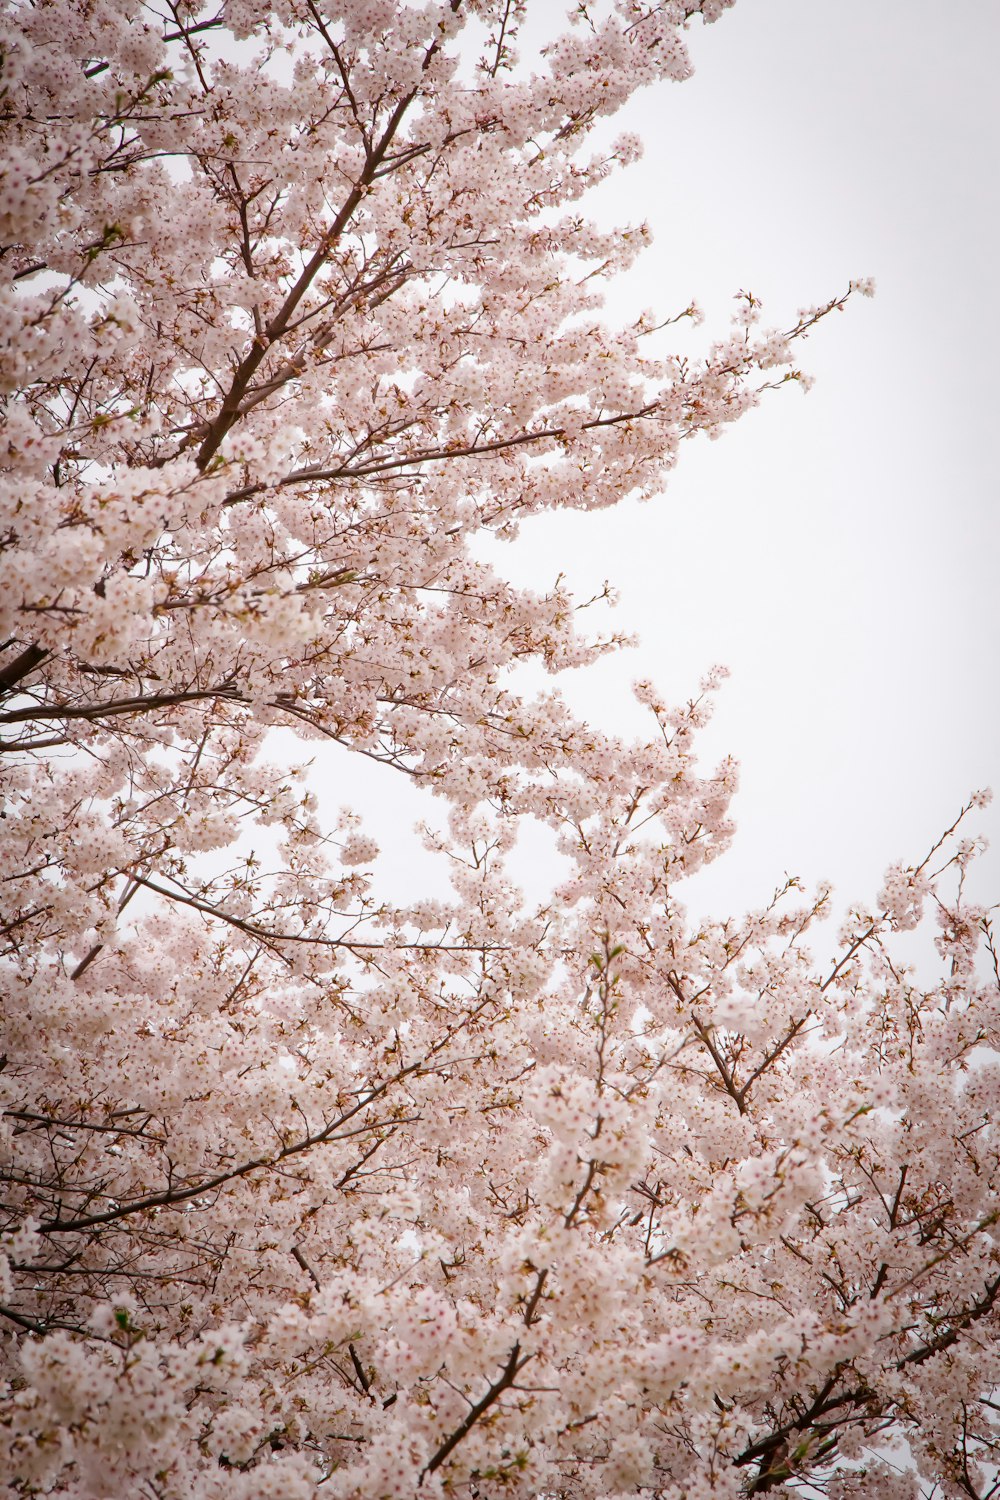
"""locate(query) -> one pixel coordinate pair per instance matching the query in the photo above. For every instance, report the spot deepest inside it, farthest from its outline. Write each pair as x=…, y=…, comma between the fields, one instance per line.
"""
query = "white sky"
x=839, y=551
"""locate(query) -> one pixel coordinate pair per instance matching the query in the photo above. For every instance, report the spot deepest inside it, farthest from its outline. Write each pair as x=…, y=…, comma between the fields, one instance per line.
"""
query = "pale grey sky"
x=839, y=551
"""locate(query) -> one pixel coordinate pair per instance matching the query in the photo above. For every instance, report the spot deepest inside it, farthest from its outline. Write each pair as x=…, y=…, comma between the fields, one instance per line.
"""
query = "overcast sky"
x=838, y=550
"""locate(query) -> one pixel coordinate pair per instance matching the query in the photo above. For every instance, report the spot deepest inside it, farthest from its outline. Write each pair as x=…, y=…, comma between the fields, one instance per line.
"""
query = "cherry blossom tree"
x=307, y=1193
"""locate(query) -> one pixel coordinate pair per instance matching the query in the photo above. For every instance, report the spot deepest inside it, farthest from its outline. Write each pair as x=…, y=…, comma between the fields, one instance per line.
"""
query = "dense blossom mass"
x=310, y=1194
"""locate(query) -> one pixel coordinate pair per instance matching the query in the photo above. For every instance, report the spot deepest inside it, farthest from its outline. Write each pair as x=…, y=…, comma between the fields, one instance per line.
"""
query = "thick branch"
x=112, y=707
x=516, y=1362
x=24, y=662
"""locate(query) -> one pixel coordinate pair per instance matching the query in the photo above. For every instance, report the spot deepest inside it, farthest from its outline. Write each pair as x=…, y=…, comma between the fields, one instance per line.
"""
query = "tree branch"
x=23, y=663
x=515, y=1363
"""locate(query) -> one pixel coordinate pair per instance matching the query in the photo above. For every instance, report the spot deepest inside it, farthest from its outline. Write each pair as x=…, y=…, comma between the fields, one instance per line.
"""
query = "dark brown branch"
x=24, y=662
x=300, y=1260
x=52, y=1122
x=769, y=1452
x=171, y=1197
x=277, y=327
x=515, y=1363
x=185, y=32
x=359, y=1369
x=704, y=1035
x=435, y=455
x=533, y=1301
x=275, y=939
x=112, y=707
x=22, y=1321
x=31, y=1326
x=322, y=336
x=773, y=1055
x=958, y=1325
x=855, y=945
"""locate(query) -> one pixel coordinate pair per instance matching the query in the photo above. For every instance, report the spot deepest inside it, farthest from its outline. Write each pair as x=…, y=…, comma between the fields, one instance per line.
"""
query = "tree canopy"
x=310, y=1193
